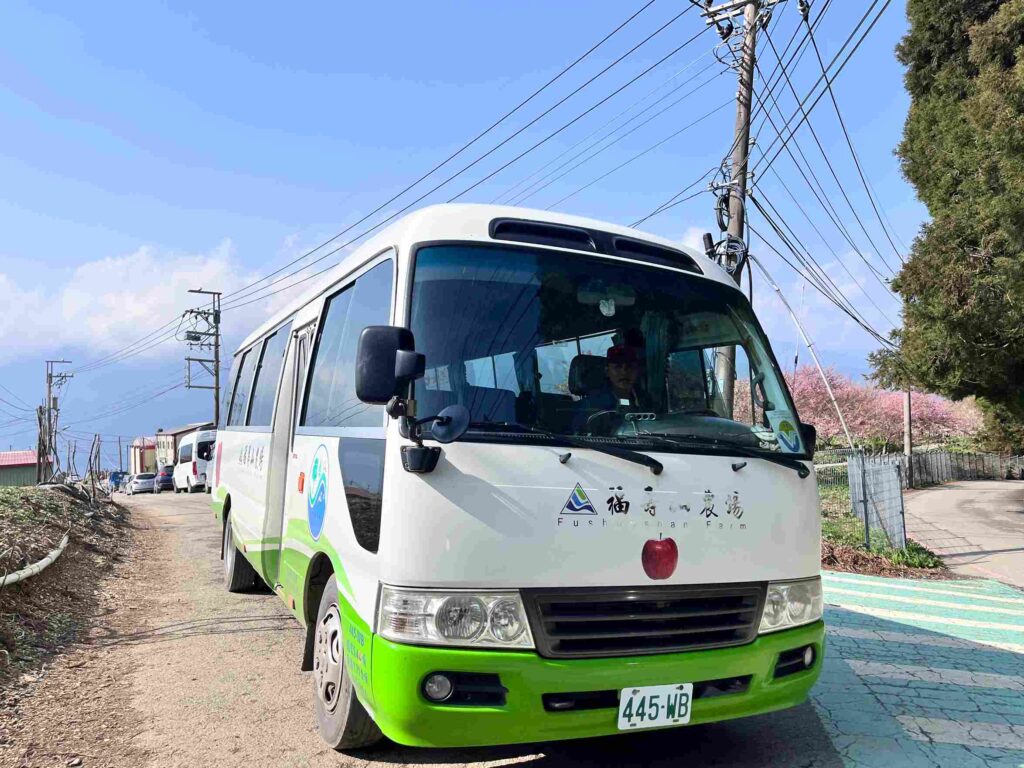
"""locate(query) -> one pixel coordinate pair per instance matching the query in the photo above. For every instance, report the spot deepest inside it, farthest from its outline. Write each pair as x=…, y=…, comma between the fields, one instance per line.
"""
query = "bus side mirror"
x=386, y=363
x=809, y=436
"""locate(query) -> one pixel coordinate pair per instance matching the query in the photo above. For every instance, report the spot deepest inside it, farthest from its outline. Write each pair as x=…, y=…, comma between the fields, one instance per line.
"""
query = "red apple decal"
x=660, y=557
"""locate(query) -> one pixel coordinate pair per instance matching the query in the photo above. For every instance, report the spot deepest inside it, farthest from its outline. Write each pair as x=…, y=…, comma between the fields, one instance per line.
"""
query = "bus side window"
x=301, y=359
x=243, y=386
x=268, y=376
x=332, y=401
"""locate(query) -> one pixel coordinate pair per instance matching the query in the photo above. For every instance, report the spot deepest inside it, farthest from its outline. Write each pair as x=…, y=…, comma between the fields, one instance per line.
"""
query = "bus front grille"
x=633, y=621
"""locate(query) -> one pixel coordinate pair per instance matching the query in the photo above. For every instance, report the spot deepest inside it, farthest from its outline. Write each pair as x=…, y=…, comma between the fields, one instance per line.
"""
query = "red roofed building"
x=18, y=468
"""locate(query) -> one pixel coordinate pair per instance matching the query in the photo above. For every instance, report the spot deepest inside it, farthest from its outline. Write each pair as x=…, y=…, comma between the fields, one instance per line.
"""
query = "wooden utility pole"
x=729, y=257
x=908, y=442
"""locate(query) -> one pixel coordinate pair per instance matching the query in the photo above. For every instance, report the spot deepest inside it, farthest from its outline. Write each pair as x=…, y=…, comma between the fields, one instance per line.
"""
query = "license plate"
x=655, y=705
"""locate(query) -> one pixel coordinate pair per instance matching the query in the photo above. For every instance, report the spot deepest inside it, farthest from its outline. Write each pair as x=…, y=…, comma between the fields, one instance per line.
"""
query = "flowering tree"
x=873, y=415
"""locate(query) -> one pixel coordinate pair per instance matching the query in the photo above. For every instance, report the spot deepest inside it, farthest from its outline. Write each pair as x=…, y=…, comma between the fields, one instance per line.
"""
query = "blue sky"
x=147, y=148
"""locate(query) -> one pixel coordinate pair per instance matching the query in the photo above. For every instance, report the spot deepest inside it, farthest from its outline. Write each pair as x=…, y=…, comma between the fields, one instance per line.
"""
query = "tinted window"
x=362, y=472
x=243, y=384
x=268, y=374
x=331, y=400
x=185, y=455
x=205, y=450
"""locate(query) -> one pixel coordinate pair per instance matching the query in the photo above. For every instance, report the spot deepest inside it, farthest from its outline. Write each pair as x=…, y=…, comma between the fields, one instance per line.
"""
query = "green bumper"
x=407, y=718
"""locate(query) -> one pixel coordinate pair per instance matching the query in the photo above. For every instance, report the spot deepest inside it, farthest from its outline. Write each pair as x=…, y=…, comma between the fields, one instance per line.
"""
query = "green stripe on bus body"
x=298, y=549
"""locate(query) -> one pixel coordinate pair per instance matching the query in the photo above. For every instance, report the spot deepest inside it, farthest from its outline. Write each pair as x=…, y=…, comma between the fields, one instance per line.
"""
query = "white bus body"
x=488, y=601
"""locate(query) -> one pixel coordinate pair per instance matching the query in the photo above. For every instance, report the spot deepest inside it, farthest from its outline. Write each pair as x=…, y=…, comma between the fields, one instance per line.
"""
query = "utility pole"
x=908, y=442
x=206, y=336
x=120, y=456
x=733, y=255
x=41, y=456
x=54, y=381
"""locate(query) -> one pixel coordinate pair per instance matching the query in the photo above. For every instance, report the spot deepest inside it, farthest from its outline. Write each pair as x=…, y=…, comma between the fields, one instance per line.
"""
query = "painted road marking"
x=1016, y=601
x=943, y=623
x=1019, y=611
x=936, y=675
x=968, y=734
x=974, y=586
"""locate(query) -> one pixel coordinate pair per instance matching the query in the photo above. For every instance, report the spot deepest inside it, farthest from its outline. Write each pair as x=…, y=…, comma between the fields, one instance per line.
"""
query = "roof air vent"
x=659, y=254
x=542, y=233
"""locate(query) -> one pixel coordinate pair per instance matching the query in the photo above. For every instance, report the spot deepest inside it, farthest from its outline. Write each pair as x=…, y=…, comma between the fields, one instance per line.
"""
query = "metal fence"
x=861, y=493
x=876, y=497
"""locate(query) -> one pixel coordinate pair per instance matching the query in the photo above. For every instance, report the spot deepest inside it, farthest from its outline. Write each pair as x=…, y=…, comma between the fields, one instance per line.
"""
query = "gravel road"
x=177, y=672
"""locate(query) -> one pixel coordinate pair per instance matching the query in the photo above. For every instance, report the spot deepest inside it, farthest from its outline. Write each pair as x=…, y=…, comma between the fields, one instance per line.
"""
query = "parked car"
x=194, y=453
x=141, y=483
x=164, y=480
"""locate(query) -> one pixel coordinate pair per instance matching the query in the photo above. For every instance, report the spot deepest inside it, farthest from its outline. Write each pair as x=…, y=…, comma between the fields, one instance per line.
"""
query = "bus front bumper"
x=406, y=717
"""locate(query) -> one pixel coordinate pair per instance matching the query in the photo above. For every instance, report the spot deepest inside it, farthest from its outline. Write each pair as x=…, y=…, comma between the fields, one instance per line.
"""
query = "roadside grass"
x=842, y=530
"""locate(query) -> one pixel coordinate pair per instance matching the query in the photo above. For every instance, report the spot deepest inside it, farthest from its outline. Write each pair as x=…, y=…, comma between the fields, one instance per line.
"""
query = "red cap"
x=620, y=353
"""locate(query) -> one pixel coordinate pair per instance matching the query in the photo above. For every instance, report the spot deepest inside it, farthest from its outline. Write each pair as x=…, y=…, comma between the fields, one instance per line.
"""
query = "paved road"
x=977, y=527
x=916, y=673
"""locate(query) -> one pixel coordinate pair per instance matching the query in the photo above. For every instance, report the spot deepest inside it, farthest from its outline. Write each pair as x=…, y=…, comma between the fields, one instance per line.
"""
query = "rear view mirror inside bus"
x=386, y=362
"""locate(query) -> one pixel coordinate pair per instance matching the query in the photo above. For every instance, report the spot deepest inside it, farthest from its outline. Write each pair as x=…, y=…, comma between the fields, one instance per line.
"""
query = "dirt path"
x=177, y=672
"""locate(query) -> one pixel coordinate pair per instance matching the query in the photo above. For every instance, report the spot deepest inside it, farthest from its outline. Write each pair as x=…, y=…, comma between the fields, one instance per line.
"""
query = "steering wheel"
x=604, y=422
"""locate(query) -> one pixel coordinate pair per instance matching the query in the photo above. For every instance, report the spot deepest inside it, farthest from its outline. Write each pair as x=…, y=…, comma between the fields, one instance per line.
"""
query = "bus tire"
x=341, y=719
x=239, y=575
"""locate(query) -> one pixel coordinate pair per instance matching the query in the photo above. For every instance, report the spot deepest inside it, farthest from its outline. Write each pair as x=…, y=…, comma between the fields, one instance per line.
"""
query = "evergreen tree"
x=963, y=150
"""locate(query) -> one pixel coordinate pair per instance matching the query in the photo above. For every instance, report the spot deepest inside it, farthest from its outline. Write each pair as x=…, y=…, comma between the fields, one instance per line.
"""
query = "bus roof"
x=468, y=222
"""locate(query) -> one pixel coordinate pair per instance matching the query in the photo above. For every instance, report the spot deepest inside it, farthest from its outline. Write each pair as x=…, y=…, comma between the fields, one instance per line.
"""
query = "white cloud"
x=106, y=304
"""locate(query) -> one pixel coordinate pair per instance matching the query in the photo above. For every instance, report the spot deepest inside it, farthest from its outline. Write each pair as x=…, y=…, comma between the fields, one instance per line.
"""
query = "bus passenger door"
x=286, y=413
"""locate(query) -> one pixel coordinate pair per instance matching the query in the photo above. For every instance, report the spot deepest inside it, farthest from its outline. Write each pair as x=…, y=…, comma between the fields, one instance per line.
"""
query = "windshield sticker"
x=316, y=494
x=578, y=503
x=785, y=430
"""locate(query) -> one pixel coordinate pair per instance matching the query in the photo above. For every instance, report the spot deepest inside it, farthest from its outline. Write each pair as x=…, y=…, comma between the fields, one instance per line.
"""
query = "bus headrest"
x=587, y=374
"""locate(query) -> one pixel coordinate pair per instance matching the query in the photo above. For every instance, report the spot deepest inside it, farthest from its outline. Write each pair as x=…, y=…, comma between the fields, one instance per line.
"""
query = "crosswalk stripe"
x=944, y=621
x=961, y=606
x=1019, y=601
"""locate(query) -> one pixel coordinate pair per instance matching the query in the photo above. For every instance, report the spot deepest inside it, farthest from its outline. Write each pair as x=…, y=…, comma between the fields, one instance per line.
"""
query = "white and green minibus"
x=490, y=464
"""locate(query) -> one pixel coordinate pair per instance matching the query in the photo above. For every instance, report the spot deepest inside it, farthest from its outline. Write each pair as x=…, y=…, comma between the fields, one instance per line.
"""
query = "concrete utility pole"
x=733, y=254
x=908, y=442
x=208, y=338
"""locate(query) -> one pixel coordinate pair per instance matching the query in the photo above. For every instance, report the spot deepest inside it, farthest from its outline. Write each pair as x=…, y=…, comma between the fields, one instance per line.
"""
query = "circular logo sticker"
x=316, y=493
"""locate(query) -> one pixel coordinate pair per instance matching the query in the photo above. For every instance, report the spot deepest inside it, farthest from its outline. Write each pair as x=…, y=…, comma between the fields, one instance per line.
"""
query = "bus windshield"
x=534, y=341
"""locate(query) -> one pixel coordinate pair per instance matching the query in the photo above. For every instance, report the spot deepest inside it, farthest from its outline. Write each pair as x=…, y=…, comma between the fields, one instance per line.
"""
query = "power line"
x=113, y=357
x=828, y=162
x=517, y=132
x=637, y=156
x=510, y=193
x=522, y=154
x=849, y=143
x=828, y=80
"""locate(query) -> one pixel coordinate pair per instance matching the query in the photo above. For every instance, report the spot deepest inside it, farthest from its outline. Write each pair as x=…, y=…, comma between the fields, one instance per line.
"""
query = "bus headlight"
x=429, y=617
x=791, y=604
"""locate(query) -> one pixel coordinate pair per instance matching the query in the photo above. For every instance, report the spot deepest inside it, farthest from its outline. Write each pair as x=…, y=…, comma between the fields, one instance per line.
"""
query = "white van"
x=488, y=463
x=195, y=450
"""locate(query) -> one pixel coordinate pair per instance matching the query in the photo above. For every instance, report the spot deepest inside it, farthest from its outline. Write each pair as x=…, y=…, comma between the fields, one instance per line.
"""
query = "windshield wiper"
x=731, y=447
x=623, y=453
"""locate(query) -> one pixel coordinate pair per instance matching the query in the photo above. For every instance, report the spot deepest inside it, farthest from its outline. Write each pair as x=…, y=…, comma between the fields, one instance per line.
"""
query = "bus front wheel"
x=341, y=719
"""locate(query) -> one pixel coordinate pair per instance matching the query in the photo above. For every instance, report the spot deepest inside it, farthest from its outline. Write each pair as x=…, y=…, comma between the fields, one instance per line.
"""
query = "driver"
x=621, y=387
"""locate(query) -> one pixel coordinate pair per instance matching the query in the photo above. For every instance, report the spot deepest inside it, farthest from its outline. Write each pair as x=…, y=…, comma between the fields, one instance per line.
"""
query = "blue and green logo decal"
x=316, y=493
x=578, y=503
